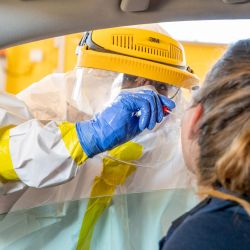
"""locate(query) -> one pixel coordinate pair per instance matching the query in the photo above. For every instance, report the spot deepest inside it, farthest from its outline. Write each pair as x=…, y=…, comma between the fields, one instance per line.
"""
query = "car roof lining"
x=29, y=20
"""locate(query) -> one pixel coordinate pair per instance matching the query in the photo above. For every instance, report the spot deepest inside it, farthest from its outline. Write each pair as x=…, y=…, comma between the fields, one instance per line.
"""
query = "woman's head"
x=216, y=129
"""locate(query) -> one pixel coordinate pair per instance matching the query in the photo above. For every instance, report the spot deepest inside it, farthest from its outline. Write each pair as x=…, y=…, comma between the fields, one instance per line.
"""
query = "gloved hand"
x=125, y=118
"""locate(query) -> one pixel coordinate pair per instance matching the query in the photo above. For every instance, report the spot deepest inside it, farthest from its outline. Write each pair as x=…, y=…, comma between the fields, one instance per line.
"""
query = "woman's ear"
x=189, y=135
x=195, y=117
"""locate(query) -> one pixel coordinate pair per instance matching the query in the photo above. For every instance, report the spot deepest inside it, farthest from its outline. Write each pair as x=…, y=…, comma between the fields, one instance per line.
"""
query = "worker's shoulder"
x=211, y=230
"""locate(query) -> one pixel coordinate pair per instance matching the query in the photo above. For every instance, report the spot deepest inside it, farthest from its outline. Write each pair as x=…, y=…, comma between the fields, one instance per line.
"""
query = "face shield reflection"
x=130, y=81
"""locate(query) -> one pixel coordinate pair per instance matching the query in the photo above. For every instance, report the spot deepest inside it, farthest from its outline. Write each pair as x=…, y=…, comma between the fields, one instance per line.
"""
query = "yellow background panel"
x=21, y=71
x=201, y=56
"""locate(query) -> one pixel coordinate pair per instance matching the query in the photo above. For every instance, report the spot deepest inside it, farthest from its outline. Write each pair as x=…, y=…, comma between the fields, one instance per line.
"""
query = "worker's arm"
x=41, y=155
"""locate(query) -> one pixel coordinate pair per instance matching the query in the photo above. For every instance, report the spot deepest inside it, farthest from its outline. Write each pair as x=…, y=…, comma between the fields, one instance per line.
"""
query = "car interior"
x=29, y=20
x=39, y=38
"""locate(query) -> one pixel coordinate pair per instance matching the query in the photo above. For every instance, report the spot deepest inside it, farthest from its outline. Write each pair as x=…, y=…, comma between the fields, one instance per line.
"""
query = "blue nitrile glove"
x=126, y=117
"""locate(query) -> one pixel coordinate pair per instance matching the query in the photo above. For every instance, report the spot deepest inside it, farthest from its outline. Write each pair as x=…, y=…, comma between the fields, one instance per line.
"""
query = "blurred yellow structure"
x=30, y=62
x=201, y=56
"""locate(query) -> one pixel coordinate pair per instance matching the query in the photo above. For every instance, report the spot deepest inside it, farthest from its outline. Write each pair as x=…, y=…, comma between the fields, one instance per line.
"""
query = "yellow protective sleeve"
x=7, y=172
x=70, y=138
x=114, y=173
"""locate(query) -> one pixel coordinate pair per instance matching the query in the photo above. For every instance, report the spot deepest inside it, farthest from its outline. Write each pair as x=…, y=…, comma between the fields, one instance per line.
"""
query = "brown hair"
x=224, y=137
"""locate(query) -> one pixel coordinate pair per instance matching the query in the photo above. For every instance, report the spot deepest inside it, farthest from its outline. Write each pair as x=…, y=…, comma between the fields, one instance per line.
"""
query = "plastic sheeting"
x=161, y=157
x=93, y=207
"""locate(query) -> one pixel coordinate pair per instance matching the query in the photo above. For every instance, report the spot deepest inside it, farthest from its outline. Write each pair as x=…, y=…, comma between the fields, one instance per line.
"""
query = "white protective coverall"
x=122, y=199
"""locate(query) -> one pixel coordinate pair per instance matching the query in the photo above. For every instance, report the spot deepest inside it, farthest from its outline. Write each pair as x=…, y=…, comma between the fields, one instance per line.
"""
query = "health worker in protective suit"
x=121, y=197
